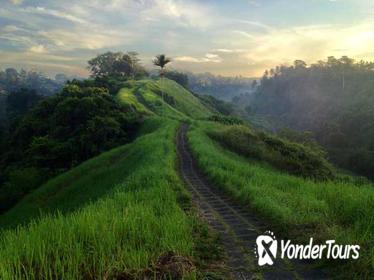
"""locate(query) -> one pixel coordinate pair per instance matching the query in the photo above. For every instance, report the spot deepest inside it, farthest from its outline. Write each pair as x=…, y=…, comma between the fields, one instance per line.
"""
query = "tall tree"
x=161, y=60
x=116, y=65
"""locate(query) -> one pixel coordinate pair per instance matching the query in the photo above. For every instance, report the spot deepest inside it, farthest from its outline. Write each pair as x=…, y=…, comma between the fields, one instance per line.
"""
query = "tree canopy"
x=161, y=60
x=12, y=80
x=333, y=99
x=60, y=132
x=116, y=65
x=179, y=77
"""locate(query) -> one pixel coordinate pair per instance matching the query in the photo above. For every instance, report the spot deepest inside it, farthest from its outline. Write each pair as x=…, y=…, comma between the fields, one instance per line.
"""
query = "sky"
x=229, y=38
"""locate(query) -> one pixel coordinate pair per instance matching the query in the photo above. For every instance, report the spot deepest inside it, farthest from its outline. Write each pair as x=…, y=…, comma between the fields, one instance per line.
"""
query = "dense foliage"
x=12, y=80
x=179, y=77
x=12, y=108
x=116, y=65
x=228, y=120
x=20, y=102
x=333, y=99
x=293, y=158
x=60, y=132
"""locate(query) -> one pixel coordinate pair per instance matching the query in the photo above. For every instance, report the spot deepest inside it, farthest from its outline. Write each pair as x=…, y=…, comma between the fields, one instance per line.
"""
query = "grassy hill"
x=164, y=98
x=114, y=215
x=127, y=212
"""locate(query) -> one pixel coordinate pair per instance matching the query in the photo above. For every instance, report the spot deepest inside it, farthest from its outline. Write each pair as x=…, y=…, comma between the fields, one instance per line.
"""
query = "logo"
x=267, y=246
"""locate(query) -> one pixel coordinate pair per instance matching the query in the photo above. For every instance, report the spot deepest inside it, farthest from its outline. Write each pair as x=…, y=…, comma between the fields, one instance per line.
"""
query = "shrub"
x=225, y=119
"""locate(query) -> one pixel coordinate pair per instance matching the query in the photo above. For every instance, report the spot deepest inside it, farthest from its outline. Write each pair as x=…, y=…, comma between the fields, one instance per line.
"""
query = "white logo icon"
x=267, y=247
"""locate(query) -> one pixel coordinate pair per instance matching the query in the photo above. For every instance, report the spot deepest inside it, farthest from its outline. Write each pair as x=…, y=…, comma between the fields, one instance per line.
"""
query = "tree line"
x=47, y=135
x=333, y=99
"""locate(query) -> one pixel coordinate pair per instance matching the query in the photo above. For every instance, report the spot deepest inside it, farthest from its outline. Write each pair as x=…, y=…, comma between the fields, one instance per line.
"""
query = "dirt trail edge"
x=237, y=227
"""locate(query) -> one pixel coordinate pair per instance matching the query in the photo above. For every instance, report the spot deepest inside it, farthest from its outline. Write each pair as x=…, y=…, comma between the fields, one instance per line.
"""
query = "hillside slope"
x=127, y=214
x=164, y=98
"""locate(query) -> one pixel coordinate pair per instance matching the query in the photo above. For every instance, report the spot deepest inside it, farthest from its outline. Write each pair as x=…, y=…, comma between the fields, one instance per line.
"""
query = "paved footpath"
x=237, y=227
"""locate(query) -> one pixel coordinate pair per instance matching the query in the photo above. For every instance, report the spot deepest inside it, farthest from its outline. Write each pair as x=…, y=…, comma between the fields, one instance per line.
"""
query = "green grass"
x=165, y=98
x=126, y=213
x=293, y=207
x=118, y=212
x=127, y=96
x=89, y=181
x=293, y=158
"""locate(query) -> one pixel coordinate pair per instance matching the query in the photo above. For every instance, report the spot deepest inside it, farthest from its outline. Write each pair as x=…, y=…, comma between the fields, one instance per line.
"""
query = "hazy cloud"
x=55, y=13
x=209, y=57
x=38, y=49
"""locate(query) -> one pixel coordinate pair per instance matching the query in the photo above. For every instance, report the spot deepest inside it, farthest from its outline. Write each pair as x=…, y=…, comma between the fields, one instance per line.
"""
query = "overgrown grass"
x=136, y=216
x=291, y=157
x=294, y=207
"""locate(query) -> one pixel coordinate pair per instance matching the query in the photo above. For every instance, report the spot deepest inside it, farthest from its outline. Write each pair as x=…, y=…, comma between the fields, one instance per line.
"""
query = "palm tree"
x=161, y=60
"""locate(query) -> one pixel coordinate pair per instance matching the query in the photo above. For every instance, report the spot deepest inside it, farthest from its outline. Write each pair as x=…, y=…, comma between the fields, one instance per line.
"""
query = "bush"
x=225, y=120
x=179, y=77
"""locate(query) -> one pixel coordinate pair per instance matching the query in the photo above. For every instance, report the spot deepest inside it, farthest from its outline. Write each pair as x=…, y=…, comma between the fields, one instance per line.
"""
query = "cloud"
x=245, y=34
x=81, y=39
x=228, y=50
x=254, y=3
x=38, y=49
x=187, y=15
x=256, y=24
x=208, y=58
x=212, y=56
x=55, y=13
x=310, y=43
x=9, y=28
x=16, y=2
x=200, y=34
